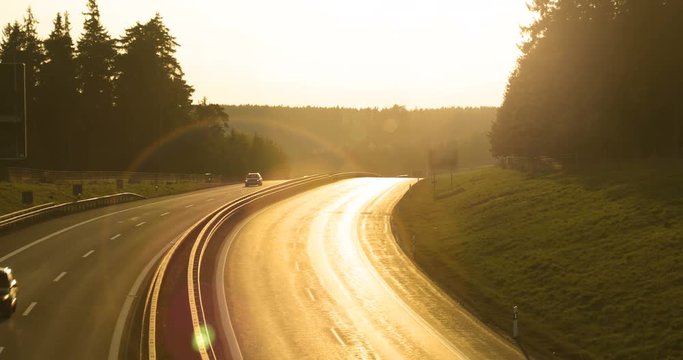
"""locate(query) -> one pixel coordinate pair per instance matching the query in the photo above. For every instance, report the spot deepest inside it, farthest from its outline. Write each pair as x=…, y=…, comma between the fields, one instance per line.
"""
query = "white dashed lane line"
x=164, y=214
x=310, y=294
x=88, y=253
x=209, y=200
x=29, y=308
x=336, y=335
x=189, y=206
x=115, y=237
x=60, y=276
x=140, y=224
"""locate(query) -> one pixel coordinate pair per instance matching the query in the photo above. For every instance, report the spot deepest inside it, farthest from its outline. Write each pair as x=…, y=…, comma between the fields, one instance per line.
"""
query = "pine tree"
x=151, y=95
x=95, y=74
x=57, y=95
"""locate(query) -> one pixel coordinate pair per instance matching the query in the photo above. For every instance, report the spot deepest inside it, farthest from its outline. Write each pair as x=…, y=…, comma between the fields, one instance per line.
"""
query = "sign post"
x=515, y=330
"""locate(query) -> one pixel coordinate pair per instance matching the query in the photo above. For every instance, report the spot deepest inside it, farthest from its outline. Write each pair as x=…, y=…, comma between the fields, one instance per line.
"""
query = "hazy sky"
x=358, y=53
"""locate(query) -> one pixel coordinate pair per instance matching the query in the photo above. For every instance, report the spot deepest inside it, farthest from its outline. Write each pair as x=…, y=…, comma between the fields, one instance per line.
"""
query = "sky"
x=351, y=53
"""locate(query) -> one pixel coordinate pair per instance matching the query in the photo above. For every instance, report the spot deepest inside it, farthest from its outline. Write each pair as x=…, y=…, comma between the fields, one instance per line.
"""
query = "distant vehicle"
x=253, y=179
x=8, y=292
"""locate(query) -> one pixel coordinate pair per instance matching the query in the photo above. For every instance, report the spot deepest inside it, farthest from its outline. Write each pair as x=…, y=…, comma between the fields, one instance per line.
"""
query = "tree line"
x=598, y=80
x=390, y=141
x=104, y=103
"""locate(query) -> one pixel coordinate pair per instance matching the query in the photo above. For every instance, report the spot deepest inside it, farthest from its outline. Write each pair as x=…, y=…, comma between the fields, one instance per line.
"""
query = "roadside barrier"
x=16, y=220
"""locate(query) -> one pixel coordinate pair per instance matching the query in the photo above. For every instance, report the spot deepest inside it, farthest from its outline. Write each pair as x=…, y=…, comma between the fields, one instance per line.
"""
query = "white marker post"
x=515, y=331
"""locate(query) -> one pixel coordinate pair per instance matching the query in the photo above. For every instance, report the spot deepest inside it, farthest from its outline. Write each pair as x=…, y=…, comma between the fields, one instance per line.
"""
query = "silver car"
x=8, y=292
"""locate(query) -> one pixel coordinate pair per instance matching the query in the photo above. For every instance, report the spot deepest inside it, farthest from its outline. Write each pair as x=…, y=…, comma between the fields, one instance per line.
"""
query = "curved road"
x=319, y=276
x=79, y=274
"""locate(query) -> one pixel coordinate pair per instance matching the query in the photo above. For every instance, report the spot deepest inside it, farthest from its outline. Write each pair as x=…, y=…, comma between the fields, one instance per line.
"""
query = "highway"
x=319, y=276
x=79, y=275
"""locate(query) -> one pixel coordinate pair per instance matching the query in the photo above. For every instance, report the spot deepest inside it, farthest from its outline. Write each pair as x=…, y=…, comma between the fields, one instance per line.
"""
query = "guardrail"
x=24, y=211
x=181, y=267
x=47, y=211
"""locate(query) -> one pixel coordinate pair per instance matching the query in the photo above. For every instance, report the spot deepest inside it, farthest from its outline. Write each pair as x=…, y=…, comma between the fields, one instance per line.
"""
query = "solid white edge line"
x=140, y=224
x=59, y=277
x=115, y=237
x=88, y=254
x=29, y=308
x=115, y=344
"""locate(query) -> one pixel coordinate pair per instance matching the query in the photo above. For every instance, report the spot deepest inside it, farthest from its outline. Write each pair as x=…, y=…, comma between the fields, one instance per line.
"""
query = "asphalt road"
x=319, y=276
x=78, y=274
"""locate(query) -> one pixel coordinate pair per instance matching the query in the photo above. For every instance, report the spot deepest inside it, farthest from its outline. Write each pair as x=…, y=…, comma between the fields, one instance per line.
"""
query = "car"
x=253, y=178
x=8, y=292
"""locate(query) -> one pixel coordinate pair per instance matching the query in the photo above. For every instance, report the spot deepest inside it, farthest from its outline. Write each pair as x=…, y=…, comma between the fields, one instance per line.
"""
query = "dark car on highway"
x=254, y=179
x=8, y=292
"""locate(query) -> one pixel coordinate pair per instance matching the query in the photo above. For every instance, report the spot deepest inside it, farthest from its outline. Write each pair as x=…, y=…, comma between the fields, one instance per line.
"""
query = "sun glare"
x=355, y=53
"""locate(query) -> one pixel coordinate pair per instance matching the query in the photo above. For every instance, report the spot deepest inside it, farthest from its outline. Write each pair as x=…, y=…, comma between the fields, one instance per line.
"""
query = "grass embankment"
x=594, y=262
x=10, y=193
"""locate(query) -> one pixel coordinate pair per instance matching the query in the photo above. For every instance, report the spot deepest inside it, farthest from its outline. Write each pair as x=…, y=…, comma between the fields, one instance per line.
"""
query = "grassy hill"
x=594, y=261
x=10, y=193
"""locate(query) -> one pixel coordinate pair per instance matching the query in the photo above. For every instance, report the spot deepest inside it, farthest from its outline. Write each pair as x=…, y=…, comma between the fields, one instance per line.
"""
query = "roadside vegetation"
x=593, y=260
x=102, y=102
x=10, y=193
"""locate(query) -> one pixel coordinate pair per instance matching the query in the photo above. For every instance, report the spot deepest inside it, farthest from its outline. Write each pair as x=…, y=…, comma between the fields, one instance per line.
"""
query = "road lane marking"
x=189, y=206
x=164, y=214
x=296, y=265
x=336, y=335
x=88, y=253
x=69, y=228
x=60, y=276
x=2, y=348
x=140, y=224
x=310, y=294
x=115, y=344
x=209, y=200
x=29, y=308
x=134, y=218
x=115, y=237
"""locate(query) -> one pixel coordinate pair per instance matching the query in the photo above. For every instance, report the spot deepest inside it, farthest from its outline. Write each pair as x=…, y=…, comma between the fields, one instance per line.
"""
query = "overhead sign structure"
x=12, y=112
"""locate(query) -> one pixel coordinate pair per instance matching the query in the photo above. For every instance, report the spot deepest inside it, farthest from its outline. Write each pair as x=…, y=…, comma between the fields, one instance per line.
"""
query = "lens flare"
x=203, y=338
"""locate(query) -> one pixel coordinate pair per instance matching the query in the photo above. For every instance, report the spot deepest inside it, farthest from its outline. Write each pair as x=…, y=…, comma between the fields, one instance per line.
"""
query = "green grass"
x=594, y=261
x=10, y=193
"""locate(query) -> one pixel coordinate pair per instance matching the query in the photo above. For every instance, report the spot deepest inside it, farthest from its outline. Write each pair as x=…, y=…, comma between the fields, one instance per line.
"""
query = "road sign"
x=12, y=112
